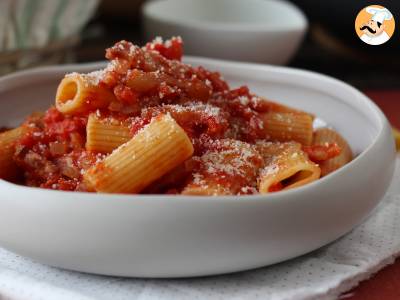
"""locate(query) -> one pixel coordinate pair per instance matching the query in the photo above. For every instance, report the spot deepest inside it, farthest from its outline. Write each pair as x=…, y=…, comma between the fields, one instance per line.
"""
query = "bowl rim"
x=213, y=26
x=379, y=118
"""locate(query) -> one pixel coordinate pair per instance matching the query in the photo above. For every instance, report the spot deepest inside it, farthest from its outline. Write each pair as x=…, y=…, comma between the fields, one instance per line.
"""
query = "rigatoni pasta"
x=285, y=127
x=148, y=123
x=229, y=168
x=396, y=135
x=286, y=167
x=78, y=93
x=325, y=136
x=105, y=134
x=271, y=106
x=8, y=168
x=156, y=149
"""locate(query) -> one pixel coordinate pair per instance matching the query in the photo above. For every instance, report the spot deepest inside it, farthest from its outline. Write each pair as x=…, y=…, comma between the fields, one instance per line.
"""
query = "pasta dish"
x=149, y=123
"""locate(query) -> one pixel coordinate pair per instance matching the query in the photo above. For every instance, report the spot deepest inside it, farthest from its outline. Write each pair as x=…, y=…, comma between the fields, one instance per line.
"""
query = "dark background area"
x=330, y=47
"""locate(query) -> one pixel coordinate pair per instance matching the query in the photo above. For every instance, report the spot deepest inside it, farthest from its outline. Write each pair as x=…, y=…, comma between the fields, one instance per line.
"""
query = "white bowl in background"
x=264, y=31
x=175, y=236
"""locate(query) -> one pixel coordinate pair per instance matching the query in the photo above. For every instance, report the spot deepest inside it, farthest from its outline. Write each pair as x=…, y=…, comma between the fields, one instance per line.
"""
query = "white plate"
x=174, y=236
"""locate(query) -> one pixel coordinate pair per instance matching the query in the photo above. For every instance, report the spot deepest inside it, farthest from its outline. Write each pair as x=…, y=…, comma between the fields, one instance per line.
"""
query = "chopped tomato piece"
x=318, y=153
x=125, y=94
x=171, y=49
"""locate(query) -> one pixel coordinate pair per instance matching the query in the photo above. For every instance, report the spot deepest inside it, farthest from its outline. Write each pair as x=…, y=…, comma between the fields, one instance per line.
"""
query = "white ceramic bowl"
x=265, y=31
x=171, y=236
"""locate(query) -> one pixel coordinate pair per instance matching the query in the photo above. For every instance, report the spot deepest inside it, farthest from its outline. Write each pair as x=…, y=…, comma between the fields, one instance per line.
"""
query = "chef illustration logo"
x=375, y=25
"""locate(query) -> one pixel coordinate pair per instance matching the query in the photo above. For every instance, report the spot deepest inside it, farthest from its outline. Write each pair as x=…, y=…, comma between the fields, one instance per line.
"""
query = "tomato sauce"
x=147, y=82
x=318, y=153
x=52, y=153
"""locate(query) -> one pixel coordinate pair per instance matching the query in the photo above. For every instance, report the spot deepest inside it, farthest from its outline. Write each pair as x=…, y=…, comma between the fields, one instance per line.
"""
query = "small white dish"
x=264, y=31
x=175, y=236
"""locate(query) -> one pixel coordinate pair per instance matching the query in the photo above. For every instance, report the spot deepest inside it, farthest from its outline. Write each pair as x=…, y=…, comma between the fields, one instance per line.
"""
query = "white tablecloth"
x=323, y=274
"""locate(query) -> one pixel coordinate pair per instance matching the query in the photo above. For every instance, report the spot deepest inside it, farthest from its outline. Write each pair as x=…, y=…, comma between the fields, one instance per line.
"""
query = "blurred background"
x=330, y=45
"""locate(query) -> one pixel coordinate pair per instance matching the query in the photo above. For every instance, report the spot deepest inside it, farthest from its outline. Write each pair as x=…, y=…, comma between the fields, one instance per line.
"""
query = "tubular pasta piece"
x=206, y=189
x=105, y=135
x=396, y=134
x=80, y=93
x=286, y=167
x=152, y=152
x=326, y=135
x=8, y=168
x=284, y=127
x=280, y=108
x=174, y=179
x=229, y=169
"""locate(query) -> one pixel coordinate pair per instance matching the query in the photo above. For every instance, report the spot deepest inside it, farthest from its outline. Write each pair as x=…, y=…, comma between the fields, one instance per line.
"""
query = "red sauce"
x=52, y=153
x=171, y=50
x=319, y=153
x=147, y=82
x=275, y=187
x=144, y=79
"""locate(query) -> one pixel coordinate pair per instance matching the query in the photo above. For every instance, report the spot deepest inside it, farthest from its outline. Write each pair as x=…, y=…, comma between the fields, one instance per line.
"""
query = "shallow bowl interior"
x=175, y=236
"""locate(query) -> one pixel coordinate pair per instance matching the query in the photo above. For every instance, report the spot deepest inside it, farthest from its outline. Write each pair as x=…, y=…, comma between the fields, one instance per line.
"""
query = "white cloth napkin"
x=26, y=24
x=323, y=274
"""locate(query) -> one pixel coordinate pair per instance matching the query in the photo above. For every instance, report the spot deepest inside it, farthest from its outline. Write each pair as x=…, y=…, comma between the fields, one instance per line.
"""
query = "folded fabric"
x=34, y=23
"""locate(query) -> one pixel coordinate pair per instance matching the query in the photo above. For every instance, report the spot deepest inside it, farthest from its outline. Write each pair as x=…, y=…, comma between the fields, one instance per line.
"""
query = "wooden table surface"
x=385, y=285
